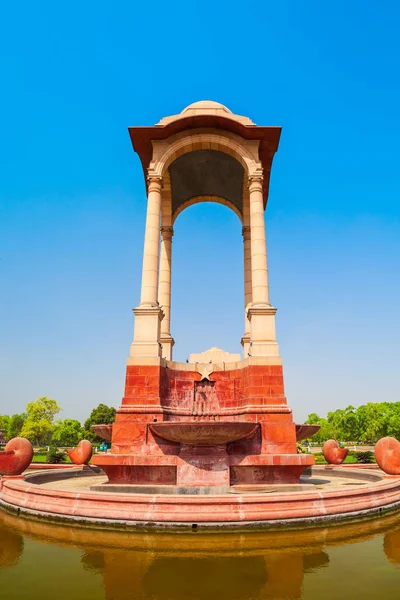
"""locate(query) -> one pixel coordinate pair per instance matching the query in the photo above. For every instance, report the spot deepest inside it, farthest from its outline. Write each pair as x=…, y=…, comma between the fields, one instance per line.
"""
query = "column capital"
x=246, y=230
x=154, y=183
x=167, y=232
x=255, y=182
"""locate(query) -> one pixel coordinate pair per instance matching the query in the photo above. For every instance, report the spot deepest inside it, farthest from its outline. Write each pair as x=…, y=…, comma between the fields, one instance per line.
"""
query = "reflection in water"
x=235, y=566
x=391, y=546
x=223, y=577
x=93, y=561
x=11, y=547
x=130, y=574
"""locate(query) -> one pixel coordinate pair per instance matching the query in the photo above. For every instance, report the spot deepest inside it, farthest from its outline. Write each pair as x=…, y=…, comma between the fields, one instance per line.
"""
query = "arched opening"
x=207, y=255
x=207, y=280
x=206, y=173
x=210, y=198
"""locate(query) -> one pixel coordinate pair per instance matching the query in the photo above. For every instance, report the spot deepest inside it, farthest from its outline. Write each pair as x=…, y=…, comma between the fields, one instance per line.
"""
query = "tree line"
x=38, y=424
x=367, y=423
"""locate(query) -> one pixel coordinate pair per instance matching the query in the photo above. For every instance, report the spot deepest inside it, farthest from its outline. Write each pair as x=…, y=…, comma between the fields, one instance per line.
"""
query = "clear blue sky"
x=75, y=75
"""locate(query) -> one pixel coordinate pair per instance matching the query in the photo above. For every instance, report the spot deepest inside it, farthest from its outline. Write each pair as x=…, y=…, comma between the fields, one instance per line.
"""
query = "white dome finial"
x=206, y=106
x=209, y=108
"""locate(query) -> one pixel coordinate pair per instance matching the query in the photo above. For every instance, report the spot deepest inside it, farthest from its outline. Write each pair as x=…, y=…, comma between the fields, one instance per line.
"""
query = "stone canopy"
x=207, y=116
x=206, y=153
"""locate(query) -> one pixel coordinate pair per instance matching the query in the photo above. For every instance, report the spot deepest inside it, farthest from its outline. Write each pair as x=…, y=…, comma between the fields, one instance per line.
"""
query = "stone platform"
x=204, y=424
x=338, y=494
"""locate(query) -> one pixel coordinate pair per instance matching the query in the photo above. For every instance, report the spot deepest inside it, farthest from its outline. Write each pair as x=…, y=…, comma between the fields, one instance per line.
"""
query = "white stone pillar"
x=164, y=290
x=151, y=250
x=247, y=288
x=148, y=315
x=259, y=268
x=261, y=314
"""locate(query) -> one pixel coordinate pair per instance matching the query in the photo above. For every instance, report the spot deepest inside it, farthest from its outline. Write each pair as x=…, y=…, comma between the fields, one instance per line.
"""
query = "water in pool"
x=49, y=562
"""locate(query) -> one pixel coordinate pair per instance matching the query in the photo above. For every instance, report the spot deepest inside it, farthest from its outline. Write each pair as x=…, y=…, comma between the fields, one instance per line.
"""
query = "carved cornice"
x=261, y=310
x=167, y=232
x=169, y=410
x=255, y=182
x=154, y=183
x=149, y=310
x=246, y=232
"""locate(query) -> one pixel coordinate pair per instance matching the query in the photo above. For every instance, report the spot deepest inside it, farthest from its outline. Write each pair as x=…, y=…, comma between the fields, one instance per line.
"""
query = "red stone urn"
x=333, y=453
x=17, y=457
x=387, y=454
x=82, y=454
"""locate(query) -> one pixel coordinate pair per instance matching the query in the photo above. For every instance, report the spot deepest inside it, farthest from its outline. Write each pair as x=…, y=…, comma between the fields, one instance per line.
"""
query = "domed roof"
x=206, y=107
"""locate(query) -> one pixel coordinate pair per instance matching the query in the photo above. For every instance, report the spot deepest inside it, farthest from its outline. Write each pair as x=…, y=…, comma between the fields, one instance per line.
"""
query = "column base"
x=245, y=341
x=167, y=343
x=263, y=335
x=264, y=349
x=146, y=340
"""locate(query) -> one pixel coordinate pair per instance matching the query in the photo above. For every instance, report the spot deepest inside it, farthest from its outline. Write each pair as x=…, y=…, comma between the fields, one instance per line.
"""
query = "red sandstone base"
x=173, y=428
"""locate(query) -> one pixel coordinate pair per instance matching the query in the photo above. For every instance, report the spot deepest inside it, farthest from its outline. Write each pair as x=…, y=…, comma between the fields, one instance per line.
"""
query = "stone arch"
x=167, y=151
x=227, y=143
x=211, y=198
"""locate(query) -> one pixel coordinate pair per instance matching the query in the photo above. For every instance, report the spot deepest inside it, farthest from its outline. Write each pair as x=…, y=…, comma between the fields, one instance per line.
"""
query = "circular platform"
x=336, y=494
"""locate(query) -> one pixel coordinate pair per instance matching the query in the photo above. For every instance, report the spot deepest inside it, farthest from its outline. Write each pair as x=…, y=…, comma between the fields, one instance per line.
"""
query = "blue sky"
x=72, y=201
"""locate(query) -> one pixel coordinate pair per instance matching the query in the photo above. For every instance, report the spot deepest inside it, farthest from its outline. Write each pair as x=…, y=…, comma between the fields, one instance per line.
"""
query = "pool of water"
x=48, y=562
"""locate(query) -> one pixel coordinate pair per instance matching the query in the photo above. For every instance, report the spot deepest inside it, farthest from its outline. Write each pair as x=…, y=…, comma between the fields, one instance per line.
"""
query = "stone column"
x=247, y=288
x=164, y=290
x=259, y=268
x=148, y=315
x=151, y=250
x=261, y=313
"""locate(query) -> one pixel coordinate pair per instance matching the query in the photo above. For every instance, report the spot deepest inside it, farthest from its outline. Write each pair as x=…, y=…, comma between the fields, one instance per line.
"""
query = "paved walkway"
x=321, y=481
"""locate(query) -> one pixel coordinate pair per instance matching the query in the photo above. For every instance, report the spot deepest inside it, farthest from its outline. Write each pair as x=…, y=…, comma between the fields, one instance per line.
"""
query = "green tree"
x=313, y=419
x=38, y=426
x=15, y=425
x=5, y=423
x=374, y=420
x=393, y=424
x=325, y=432
x=367, y=423
x=102, y=415
x=68, y=432
x=344, y=424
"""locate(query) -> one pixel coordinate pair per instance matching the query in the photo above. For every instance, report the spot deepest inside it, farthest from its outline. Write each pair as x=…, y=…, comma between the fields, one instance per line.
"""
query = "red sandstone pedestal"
x=175, y=429
x=203, y=466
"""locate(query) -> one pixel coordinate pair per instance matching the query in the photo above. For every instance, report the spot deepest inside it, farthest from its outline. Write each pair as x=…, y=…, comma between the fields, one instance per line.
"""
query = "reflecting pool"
x=48, y=562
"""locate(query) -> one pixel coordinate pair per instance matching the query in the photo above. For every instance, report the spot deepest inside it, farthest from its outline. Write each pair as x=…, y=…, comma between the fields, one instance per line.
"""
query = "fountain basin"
x=368, y=495
x=202, y=433
x=303, y=432
x=103, y=431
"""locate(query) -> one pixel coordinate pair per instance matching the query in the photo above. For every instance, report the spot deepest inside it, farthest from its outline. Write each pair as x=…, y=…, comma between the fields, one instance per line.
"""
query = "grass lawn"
x=349, y=460
x=42, y=459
